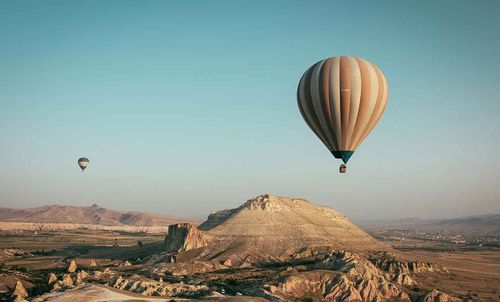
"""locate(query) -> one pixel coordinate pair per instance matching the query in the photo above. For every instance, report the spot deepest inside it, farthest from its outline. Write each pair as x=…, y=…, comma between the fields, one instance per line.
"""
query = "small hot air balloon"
x=83, y=163
x=341, y=99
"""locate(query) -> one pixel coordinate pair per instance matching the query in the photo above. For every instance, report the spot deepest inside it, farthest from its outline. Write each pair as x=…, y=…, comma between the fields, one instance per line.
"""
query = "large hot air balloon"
x=83, y=163
x=342, y=99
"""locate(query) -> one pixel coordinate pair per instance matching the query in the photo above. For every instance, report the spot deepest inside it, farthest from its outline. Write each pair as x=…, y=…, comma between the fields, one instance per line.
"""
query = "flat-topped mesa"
x=272, y=203
x=275, y=225
x=183, y=237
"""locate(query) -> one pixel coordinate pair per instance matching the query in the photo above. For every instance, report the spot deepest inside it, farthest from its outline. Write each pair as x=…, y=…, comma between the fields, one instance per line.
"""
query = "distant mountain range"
x=480, y=224
x=87, y=215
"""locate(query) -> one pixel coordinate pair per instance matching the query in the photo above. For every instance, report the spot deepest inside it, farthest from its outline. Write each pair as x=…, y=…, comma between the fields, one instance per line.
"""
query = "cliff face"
x=183, y=237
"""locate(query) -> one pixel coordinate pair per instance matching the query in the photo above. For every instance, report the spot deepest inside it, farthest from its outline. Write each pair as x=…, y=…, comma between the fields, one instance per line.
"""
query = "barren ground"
x=475, y=274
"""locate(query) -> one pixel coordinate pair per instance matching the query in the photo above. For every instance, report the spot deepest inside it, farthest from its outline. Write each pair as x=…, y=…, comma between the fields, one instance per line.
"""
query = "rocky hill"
x=92, y=215
x=269, y=228
x=288, y=249
x=277, y=224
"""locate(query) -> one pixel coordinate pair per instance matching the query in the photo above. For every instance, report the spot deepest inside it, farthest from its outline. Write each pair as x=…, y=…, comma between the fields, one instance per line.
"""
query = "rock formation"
x=390, y=264
x=52, y=278
x=184, y=237
x=437, y=296
x=72, y=267
x=266, y=228
x=67, y=280
x=280, y=224
x=20, y=292
x=149, y=287
x=315, y=251
x=80, y=277
x=281, y=249
x=342, y=276
x=57, y=286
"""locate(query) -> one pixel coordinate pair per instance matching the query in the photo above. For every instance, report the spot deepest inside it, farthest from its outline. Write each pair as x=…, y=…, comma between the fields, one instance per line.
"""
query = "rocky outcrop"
x=388, y=263
x=57, y=286
x=67, y=280
x=309, y=252
x=72, y=267
x=187, y=268
x=437, y=296
x=184, y=237
x=333, y=286
x=80, y=277
x=52, y=279
x=20, y=293
x=269, y=228
x=149, y=287
x=404, y=279
x=347, y=276
x=265, y=229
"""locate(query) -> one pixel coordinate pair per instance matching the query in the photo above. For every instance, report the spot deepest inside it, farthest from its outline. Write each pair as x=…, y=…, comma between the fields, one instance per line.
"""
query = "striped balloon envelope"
x=341, y=99
x=83, y=162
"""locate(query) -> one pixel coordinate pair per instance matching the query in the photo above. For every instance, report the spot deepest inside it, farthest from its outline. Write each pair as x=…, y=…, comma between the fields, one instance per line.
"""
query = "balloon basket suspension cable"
x=342, y=168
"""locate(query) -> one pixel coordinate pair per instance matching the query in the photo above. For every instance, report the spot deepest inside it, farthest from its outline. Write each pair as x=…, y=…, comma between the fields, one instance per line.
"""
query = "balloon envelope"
x=341, y=99
x=83, y=163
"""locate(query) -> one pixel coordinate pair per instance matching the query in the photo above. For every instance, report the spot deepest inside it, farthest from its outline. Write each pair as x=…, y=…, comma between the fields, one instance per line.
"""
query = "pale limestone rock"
x=148, y=291
x=437, y=296
x=404, y=279
x=355, y=284
x=72, y=267
x=84, y=274
x=343, y=290
x=56, y=286
x=184, y=237
x=52, y=278
x=67, y=280
x=392, y=265
x=20, y=292
x=81, y=276
x=118, y=281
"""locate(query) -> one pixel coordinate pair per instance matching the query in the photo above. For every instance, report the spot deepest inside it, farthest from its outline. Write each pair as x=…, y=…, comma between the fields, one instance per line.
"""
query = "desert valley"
x=268, y=249
x=249, y=151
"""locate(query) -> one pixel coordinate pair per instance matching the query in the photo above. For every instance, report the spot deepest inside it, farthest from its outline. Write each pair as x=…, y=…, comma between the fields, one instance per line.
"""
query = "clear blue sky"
x=184, y=107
